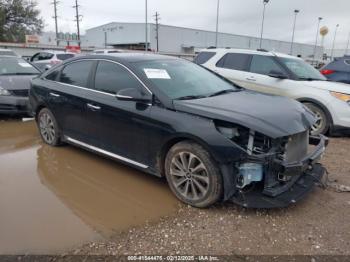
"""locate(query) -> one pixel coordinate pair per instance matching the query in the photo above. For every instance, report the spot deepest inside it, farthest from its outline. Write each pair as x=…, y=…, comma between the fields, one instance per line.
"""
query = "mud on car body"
x=211, y=139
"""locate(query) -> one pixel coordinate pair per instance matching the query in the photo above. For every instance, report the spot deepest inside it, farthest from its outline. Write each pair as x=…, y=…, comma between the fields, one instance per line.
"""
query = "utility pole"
x=77, y=19
x=296, y=11
x=55, y=3
x=217, y=23
x=146, y=26
x=157, y=17
x=347, y=45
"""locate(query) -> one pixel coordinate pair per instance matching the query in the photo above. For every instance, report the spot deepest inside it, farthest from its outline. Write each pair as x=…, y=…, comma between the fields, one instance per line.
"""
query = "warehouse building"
x=182, y=40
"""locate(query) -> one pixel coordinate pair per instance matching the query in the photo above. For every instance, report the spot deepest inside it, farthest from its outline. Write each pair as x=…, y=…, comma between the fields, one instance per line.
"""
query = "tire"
x=192, y=175
x=48, y=128
x=322, y=125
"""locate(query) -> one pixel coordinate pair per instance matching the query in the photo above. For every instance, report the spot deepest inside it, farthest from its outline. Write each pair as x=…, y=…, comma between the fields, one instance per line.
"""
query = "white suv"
x=46, y=59
x=284, y=75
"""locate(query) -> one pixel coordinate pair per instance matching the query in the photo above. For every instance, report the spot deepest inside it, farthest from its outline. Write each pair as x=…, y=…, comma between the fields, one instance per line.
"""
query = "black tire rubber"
x=326, y=123
x=215, y=178
x=57, y=140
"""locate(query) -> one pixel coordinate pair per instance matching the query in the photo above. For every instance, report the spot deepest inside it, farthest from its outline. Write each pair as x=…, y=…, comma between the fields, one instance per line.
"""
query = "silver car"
x=46, y=59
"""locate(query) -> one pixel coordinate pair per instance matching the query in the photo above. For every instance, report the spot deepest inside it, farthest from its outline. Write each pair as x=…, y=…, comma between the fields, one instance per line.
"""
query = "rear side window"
x=203, y=57
x=64, y=56
x=111, y=78
x=235, y=61
x=76, y=73
x=264, y=65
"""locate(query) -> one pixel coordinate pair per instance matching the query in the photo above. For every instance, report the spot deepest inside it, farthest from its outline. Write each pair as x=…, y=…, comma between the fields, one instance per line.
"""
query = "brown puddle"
x=53, y=199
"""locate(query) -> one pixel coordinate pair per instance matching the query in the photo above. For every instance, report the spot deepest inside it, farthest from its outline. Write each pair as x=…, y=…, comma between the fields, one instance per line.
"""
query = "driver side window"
x=264, y=65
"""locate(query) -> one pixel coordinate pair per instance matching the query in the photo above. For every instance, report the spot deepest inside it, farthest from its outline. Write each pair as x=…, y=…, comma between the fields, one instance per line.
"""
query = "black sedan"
x=15, y=77
x=212, y=140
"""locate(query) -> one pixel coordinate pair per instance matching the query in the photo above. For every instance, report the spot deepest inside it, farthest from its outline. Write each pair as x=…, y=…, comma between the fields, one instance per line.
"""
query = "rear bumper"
x=11, y=105
x=304, y=175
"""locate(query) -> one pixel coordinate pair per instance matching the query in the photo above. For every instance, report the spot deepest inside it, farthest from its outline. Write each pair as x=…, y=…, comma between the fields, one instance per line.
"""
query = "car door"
x=68, y=97
x=260, y=68
x=121, y=127
x=234, y=66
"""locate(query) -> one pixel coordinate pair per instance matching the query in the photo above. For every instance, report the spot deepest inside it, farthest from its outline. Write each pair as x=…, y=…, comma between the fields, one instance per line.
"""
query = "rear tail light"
x=327, y=72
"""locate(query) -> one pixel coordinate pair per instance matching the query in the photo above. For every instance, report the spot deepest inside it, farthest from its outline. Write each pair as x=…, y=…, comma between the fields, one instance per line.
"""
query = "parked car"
x=338, y=70
x=7, y=52
x=46, y=59
x=15, y=76
x=170, y=117
x=280, y=74
x=106, y=51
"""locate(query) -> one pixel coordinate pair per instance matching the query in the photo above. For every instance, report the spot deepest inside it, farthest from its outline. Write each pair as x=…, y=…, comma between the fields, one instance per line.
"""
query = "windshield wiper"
x=222, y=92
x=190, y=97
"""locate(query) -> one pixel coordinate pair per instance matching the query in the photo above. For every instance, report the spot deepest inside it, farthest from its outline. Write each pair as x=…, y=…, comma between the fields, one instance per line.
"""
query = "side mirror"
x=133, y=94
x=277, y=74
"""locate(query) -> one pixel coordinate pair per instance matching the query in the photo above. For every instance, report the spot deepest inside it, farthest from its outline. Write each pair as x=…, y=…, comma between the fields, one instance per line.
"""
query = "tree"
x=18, y=18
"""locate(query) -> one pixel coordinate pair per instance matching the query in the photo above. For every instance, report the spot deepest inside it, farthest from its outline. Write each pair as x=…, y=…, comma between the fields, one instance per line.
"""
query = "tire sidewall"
x=313, y=107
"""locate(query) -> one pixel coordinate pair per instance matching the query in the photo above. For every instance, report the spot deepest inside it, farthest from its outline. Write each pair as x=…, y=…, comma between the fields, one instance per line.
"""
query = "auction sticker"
x=156, y=73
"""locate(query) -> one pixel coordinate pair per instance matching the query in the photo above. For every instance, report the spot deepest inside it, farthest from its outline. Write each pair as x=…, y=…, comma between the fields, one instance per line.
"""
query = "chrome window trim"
x=106, y=60
x=104, y=152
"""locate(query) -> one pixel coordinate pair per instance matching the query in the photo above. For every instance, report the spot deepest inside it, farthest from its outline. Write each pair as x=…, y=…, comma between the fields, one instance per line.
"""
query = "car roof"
x=248, y=51
x=56, y=52
x=128, y=57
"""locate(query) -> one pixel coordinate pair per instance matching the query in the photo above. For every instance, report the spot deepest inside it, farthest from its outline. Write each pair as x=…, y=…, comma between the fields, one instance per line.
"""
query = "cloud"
x=236, y=16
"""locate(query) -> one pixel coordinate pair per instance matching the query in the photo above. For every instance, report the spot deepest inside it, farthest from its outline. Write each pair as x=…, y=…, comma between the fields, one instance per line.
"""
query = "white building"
x=182, y=40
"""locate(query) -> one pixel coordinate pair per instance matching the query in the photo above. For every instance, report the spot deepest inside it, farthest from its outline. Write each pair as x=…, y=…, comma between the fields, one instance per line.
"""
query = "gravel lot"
x=319, y=225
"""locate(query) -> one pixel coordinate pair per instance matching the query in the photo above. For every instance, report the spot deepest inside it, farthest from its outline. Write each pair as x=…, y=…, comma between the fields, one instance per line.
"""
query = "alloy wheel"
x=189, y=175
x=47, y=128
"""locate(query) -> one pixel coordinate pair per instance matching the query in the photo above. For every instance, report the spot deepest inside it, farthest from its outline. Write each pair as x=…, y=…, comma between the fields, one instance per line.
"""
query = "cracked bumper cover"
x=305, y=175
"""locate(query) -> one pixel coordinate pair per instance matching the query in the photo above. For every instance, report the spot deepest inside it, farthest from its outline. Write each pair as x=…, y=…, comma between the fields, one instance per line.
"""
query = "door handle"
x=54, y=94
x=93, y=107
x=251, y=79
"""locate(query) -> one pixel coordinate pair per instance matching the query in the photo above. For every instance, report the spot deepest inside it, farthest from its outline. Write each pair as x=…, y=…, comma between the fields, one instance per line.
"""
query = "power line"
x=157, y=18
x=77, y=19
x=55, y=3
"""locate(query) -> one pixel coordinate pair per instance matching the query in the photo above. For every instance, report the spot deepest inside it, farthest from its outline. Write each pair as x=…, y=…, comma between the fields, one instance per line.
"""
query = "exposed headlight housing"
x=228, y=132
x=341, y=96
x=4, y=92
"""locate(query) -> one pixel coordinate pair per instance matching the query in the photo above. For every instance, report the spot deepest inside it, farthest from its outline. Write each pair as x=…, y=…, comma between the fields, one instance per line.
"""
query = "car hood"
x=16, y=82
x=273, y=116
x=328, y=85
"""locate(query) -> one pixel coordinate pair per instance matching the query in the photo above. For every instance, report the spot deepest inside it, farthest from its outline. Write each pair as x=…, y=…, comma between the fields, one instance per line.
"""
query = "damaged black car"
x=212, y=140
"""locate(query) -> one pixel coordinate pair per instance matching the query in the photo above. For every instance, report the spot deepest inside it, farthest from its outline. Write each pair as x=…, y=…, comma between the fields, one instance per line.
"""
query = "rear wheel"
x=192, y=175
x=48, y=128
x=322, y=122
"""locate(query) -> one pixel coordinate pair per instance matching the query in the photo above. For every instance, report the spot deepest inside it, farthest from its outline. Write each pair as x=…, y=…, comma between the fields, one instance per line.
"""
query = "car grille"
x=297, y=147
x=22, y=92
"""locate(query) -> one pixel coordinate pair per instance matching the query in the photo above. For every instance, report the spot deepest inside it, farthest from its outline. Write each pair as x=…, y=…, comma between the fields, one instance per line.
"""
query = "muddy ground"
x=85, y=204
x=319, y=225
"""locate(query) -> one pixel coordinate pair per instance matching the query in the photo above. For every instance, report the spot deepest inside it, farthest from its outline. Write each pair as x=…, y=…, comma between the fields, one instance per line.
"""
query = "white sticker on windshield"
x=24, y=65
x=156, y=73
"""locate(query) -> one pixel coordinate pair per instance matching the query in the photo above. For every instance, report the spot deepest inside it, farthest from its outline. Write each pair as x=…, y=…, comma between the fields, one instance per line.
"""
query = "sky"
x=236, y=16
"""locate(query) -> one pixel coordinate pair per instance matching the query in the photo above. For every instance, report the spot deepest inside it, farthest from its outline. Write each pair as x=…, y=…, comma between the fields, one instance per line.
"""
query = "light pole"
x=217, y=24
x=347, y=45
x=296, y=11
x=265, y=2
x=318, y=28
x=335, y=35
x=146, y=28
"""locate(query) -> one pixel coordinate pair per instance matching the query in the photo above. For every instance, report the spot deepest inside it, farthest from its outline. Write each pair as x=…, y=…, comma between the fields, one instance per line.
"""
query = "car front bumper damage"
x=303, y=176
x=11, y=105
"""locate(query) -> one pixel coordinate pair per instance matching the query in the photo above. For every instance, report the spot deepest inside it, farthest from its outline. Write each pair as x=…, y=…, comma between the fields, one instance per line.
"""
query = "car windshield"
x=301, y=69
x=183, y=80
x=16, y=66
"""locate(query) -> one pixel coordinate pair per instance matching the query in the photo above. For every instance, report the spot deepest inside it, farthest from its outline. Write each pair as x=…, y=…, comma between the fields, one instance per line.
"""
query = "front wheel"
x=322, y=122
x=193, y=175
